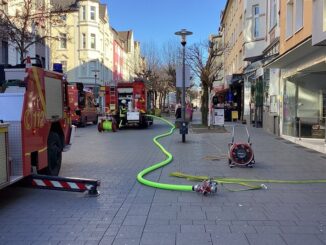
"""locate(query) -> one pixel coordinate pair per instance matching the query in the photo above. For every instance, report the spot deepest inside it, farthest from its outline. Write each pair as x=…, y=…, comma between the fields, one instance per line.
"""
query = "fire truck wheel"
x=54, y=154
x=84, y=122
x=114, y=127
x=99, y=127
x=95, y=120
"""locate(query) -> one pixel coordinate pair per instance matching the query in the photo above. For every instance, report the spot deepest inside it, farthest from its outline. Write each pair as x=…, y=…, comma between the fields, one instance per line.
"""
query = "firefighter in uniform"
x=123, y=113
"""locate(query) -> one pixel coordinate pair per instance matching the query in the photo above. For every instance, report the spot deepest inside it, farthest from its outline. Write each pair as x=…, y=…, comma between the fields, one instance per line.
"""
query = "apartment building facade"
x=232, y=23
x=10, y=54
x=91, y=51
x=255, y=41
x=271, y=114
x=302, y=99
x=303, y=70
x=84, y=44
x=243, y=26
x=216, y=49
x=4, y=42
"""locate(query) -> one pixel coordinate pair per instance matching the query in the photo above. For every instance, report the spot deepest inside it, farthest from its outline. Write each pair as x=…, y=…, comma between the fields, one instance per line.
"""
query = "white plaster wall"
x=318, y=33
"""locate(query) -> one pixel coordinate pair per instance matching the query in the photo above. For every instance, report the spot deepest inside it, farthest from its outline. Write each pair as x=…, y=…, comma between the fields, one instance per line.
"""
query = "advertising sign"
x=219, y=117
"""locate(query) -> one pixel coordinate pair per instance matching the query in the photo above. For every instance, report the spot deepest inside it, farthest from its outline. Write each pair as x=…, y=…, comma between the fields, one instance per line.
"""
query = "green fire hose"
x=168, y=159
x=208, y=185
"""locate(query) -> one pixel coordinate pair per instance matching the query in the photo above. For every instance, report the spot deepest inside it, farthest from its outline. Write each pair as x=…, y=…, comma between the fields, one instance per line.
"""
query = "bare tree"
x=26, y=22
x=201, y=58
x=152, y=70
x=170, y=57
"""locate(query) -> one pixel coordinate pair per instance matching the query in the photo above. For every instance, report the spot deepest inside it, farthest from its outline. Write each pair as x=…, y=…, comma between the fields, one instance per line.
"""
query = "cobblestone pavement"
x=129, y=213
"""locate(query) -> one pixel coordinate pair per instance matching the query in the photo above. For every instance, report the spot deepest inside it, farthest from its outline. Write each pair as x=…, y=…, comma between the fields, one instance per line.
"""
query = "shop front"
x=303, y=77
x=234, y=98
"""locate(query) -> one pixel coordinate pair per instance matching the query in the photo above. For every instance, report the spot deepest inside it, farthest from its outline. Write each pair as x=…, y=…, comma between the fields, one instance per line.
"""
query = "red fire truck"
x=35, y=126
x=82, y=105
x=136, y=98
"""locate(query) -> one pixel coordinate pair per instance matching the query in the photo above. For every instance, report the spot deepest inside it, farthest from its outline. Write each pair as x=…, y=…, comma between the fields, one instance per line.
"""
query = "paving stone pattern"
x=129, y=213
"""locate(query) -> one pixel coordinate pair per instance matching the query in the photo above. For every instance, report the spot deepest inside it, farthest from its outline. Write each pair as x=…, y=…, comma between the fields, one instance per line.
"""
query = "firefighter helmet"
x=123, y=101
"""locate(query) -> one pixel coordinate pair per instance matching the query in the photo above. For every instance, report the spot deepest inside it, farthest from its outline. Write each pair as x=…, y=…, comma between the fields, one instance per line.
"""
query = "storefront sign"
x=219, y=117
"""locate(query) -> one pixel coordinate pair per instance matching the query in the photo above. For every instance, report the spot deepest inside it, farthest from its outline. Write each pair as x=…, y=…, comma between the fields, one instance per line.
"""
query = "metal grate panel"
x=15, y=148
x=3, y=159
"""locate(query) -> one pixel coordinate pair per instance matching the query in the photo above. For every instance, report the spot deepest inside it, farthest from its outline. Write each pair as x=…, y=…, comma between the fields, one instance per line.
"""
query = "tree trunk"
x=178, y=95
x=21, y=57
x=155, y=99
x=164, y=100
x=160, y=100
x=204, y=105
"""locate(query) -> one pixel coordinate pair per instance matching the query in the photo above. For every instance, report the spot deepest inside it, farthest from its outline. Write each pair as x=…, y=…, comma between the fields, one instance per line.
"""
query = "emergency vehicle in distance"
x=136, y=98
x=35, y=126
x=82, y=105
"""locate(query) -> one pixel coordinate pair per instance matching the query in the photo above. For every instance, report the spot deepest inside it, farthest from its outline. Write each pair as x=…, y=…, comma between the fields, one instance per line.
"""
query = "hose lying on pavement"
x=244, y=182
x=209, y=184
x=206, y=187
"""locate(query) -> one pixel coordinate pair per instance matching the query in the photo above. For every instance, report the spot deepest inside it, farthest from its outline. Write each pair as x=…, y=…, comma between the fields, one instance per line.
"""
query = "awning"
x=300, y=52
x=236, y=77
x=220, y=89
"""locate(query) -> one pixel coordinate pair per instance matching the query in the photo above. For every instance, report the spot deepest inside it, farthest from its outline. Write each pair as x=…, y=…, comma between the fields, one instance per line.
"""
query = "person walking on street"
x=123, y=113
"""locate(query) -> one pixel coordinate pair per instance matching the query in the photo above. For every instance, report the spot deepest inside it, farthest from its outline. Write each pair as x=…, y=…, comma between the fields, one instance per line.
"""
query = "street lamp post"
x=95, y=84
x=183, y=128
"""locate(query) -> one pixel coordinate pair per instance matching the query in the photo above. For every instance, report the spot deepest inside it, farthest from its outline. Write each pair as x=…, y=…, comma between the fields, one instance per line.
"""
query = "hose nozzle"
x=206, y=187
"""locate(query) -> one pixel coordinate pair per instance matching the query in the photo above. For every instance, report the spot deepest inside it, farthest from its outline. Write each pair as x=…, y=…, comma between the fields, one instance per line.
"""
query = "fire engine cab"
x=35, y=122
x=135, y=97
x=82, y=105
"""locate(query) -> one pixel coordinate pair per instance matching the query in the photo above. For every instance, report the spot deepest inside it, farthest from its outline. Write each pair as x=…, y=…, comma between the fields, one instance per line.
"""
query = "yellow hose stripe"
x=244, y=182
x=39, y=151
x=38, y=86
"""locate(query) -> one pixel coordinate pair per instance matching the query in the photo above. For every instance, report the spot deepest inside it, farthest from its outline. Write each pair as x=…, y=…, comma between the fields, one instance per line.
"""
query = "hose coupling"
x=206, y=187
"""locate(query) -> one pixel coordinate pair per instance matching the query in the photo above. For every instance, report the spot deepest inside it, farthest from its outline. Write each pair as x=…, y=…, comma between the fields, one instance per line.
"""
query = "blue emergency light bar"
x=57, y=67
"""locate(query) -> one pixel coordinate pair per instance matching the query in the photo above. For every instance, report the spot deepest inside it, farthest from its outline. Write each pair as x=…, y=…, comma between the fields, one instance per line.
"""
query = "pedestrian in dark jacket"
x=178, y=112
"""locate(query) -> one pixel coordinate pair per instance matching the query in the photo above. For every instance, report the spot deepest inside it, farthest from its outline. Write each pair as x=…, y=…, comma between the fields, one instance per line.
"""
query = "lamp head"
x=183, y=33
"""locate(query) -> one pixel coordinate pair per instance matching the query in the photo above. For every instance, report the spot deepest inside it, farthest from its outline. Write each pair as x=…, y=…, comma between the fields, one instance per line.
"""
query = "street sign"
x=179, y=76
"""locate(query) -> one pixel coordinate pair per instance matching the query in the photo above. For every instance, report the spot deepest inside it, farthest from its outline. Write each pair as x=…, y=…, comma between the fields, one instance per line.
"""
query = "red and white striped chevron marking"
x=61, y=184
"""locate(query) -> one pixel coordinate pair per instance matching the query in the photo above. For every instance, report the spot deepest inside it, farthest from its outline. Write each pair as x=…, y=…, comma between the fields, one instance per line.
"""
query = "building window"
x=93, y=12
x=93, y=41
x=298, y=14
x=324, y=15
x=289, y=18
x=63, y=40
x=4, y=51
x=83, y=40
x=83, y=12
x=63, y=17
x=273, y=13
x=255, y=11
